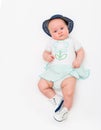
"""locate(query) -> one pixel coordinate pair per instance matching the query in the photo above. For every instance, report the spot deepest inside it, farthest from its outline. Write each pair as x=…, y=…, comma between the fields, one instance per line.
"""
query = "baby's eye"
x=55, y=31
x=61, y=28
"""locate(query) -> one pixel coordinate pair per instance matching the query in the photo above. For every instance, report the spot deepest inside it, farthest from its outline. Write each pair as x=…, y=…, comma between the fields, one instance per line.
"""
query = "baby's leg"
x=46, y=88
x=68, y=88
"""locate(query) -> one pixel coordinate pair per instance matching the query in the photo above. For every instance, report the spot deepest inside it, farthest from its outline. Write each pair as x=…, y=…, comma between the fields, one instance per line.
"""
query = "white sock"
x=56, y=99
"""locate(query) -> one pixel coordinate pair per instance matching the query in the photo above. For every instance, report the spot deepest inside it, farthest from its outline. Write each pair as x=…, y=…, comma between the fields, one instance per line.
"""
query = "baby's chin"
x=62, y=38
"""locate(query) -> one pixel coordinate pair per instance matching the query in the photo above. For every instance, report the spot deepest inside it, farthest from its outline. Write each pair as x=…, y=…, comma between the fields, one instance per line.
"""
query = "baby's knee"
x=41, y=85
x=70, y=93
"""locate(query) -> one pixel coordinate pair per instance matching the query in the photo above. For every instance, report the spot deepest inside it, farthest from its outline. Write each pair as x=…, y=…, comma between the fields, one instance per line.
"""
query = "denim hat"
x=68, y=21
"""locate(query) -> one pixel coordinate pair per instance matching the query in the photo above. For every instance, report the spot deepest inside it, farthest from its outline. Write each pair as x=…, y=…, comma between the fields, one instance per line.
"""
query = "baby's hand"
x=48, y=56
x=76, y=64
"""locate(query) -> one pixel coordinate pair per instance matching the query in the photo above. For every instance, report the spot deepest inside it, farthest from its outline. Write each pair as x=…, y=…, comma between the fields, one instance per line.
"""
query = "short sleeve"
x=49, y=46
x=77, y=44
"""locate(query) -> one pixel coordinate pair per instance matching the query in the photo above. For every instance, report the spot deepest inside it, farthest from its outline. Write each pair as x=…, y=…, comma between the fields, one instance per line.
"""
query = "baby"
x=64, y=57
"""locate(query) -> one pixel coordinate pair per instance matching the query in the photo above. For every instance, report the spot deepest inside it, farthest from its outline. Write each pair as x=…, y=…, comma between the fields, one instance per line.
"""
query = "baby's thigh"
x=68, y=85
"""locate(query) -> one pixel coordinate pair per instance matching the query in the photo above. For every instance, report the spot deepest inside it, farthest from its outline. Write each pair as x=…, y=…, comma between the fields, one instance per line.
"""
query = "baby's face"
x=58, y=29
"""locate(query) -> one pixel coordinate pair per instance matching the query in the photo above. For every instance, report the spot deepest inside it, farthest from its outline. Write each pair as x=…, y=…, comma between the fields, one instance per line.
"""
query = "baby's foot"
x=61, y=115
x=58, y=106
x=57, y=102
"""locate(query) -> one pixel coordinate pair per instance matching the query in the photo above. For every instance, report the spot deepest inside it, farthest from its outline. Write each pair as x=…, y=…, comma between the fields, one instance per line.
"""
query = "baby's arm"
x=79, y=58
x=47, y=56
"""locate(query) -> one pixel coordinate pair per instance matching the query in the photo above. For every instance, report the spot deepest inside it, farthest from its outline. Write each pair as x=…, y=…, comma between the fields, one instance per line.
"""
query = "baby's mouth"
x=61, y=35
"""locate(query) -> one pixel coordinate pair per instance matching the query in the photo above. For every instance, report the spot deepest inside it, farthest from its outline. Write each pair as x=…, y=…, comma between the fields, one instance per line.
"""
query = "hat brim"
x=68, y=21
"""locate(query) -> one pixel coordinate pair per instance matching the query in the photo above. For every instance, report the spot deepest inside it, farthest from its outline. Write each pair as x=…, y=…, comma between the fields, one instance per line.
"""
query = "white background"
x=22, y=41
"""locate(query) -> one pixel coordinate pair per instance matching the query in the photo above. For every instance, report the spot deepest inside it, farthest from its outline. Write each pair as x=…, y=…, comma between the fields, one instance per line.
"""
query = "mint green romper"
x=61, y=67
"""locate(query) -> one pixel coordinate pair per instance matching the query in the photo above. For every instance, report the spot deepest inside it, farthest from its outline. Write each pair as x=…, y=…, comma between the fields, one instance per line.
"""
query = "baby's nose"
x=60, y=31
